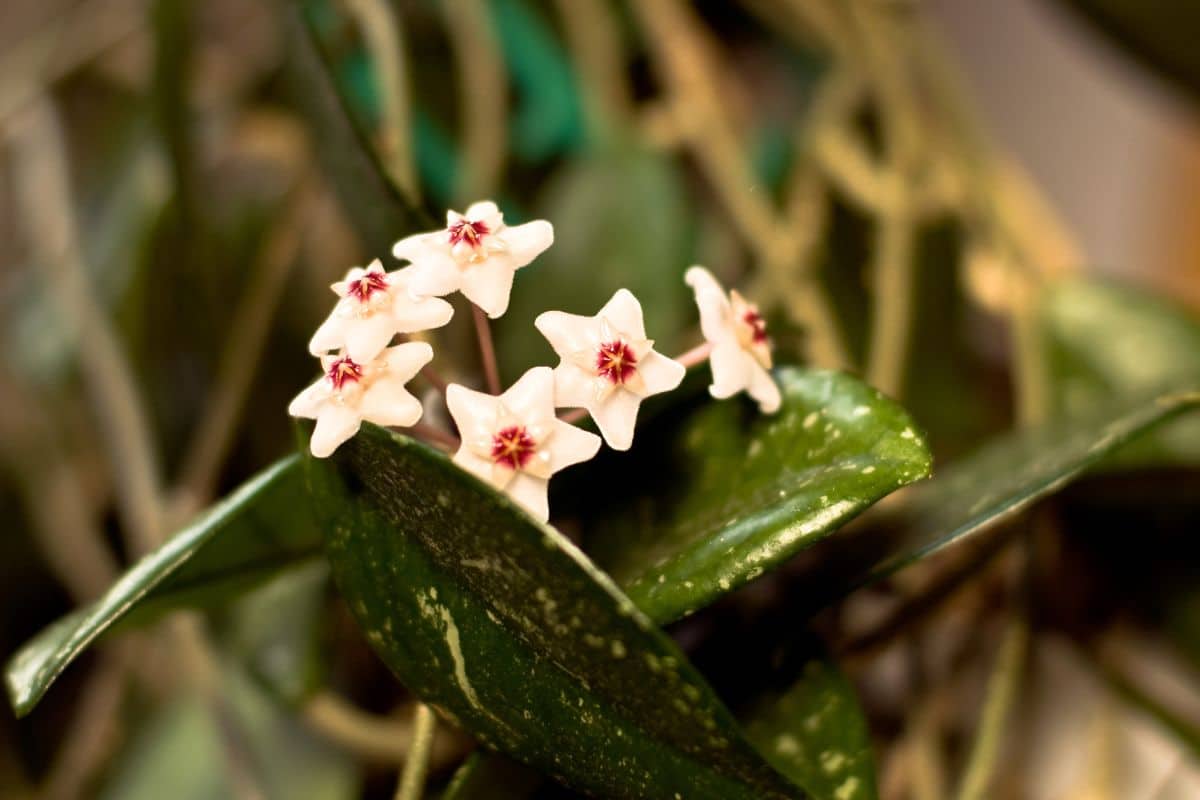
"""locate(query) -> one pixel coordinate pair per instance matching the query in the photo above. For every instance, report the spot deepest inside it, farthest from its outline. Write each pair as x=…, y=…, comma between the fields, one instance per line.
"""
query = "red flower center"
x=370, y=282
x=344, y=371
x=513, y=447
x=615, y=360
x=464, y=230
x=758, y=325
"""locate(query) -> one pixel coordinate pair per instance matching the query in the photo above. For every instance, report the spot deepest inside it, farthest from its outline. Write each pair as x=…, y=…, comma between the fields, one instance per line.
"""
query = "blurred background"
x=180, y=182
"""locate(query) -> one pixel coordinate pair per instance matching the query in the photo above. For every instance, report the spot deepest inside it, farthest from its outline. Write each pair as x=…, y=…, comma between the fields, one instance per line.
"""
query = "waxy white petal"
x=527, y=242
x=488, y=284
x=578, y=381
x=335, y=424
x=529, y=405
x=736, y=361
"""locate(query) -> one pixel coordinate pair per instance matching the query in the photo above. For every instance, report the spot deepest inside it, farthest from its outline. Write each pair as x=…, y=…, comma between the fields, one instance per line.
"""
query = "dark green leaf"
x=983, y=490
x=373, y=203
x=250, y=535
x=498, y=621
x=722, y=494
x=815, y=734
x=1104, y=340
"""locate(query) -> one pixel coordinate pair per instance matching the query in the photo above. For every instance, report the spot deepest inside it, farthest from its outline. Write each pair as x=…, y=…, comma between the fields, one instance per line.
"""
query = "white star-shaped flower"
x=514, y=441
x=351, y=392
x=476, y=254
x=741, y=352
x=375, y=306
x=608, y=365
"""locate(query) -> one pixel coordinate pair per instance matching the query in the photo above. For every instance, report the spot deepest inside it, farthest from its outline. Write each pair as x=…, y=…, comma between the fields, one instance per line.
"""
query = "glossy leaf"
x=1105, y=339
x=815, y=733
x=722, y=494
x=250, y=535
x=982, y=490
x=497, y=620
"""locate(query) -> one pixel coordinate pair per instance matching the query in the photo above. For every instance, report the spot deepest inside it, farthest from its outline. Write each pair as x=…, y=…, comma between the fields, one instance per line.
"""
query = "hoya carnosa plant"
x=512, y=440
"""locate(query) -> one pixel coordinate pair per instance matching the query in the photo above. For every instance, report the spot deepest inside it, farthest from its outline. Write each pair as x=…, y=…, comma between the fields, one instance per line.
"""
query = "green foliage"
x=186, y=745
x=986, y=488
x=498, y=621
x=1106, y=340
x=245, y=538
x=719, y=494
x=815, y=734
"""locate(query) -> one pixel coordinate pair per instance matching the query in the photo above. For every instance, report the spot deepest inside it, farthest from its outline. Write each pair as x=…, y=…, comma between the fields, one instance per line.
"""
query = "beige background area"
x=1116, y=149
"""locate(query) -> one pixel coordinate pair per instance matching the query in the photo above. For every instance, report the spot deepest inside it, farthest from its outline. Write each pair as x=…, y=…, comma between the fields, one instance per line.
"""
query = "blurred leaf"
x=1107, y=340
x=181, y=750
x=374, y=206
x=815, y=733
x=1161, y=33
x=506, y=628
x=254, y=532
x=489, y=776
x=720, y=493
x=620, y=220
x=549, y=115
x=276, y=631
x=984, y=489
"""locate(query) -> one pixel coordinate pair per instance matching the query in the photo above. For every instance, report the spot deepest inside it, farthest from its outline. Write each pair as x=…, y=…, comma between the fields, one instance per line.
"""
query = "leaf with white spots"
x=815, y=733
x=253, y=533
x=987, y=488
x=720, y=494
x=509, y=631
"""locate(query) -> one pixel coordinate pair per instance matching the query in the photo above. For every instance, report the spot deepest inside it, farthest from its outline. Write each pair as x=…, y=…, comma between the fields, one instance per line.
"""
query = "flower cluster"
x=514, y=440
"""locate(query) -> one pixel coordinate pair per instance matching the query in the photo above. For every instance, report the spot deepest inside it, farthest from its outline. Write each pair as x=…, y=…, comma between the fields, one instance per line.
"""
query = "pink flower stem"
x=696, y=355
x=435, y=379
x=433, y=434
x=574, y=415
x=487, y=350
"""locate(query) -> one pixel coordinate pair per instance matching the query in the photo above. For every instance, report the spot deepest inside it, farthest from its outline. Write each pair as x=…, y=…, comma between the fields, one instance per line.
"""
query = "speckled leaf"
x=721, y=493
x=815, y=733
x=506, y=628
x=1105, y=339
x=982, y=490
x=251, y=534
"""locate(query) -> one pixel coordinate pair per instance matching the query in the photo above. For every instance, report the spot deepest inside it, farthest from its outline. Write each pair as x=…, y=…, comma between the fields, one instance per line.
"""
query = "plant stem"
x=694, y=356
x=374, y=738
x=43, y=183
x=435, y=379
x=574, y=415
x=487, y=350
x=1001, y=692
x=434, y=434
x=412, y=779
x=383, y=36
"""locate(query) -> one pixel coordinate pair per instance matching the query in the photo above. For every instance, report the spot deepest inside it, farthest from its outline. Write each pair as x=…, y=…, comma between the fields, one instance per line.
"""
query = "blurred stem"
x=673, y=35
x=383, y=34
x=412, y=779
x=1000, y=696
x=434, y=434
x=43, y=185
x=487, y=350
x=483, y=95
x=695, y=356
x=574, y=415
x=892, y=264
x=242, y=353
x=95, y=728
x=599, y=56
x=374, y=738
